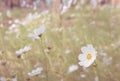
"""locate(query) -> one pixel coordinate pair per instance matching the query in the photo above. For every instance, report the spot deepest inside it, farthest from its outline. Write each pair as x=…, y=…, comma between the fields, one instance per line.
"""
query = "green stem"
x=97, y=70
x=42, y=44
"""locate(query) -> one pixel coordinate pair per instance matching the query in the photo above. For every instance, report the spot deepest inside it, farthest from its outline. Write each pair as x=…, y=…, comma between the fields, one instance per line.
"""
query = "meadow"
x=59, y=46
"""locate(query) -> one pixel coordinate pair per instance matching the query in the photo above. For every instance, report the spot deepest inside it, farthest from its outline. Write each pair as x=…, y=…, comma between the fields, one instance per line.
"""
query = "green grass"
x=101, y=29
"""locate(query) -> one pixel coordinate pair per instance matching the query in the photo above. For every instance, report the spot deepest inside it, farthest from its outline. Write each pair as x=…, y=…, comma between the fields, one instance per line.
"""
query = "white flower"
x=3, y=79
x=64, y=9
x=19, y=52
x=8, y=13
x=82, y=2
x=0, y=14
x=72, y=68
x=26, y=48
x=37, y=32
x=96, y=78
x=35, y=72
x=82, y=75
x=67, y=51
x=94, y=3
x=88, y=56
x=23, y=50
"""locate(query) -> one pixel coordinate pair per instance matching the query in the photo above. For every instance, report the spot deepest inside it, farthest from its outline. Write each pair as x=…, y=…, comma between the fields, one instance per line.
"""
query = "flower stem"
x=97, y=72
x=46, y=59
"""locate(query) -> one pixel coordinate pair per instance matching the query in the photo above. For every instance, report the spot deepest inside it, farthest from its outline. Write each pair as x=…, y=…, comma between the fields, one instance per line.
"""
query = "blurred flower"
x=37, y=32
x=10, y=21
x=1, y=25
x=82, y=2
x=64, y=9
x=77, y=7
x=8, y=13
x=35, y=72
x=94, y=3
x=67, y=51
x=17, y=21
x=70, y=3
x=0, y=14
x=107, y=60
x=82, y=75
x=93, y=23
x=72, y=68
x=3, y=79
x=29, y=18
x=13, y=29
x=117, y=65
x=62, y=80
x=23, y=50
x=45, y=12
x=58, y=29
x=88, y=56
x=96, y=78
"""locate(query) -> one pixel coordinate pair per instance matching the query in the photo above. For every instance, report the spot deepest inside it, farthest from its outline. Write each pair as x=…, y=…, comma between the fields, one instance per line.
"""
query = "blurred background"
x=70, y=25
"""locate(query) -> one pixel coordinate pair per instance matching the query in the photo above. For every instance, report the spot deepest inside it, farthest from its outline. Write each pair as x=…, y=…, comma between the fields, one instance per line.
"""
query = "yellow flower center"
x=89, y=56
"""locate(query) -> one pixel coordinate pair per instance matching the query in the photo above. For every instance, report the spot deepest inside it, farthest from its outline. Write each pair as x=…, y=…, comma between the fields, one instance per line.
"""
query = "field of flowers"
x=84, y=47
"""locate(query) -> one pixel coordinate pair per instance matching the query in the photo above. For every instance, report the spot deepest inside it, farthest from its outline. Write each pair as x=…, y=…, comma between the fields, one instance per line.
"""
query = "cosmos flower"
x=35, y=71
x=37, y=32
x=23, y=50
x=88, y=56
x=72, y=68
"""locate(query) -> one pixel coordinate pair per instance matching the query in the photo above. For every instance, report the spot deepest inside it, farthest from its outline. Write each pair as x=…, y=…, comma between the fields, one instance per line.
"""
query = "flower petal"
x=85, y=63
x=82, y=57
x=91, y=49
x=84, y=50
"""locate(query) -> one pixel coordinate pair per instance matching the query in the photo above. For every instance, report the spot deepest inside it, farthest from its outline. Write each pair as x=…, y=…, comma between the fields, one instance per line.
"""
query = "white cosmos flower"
x=37, y=32
x=88, y=56
x=23, y=50
x=35, y=71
